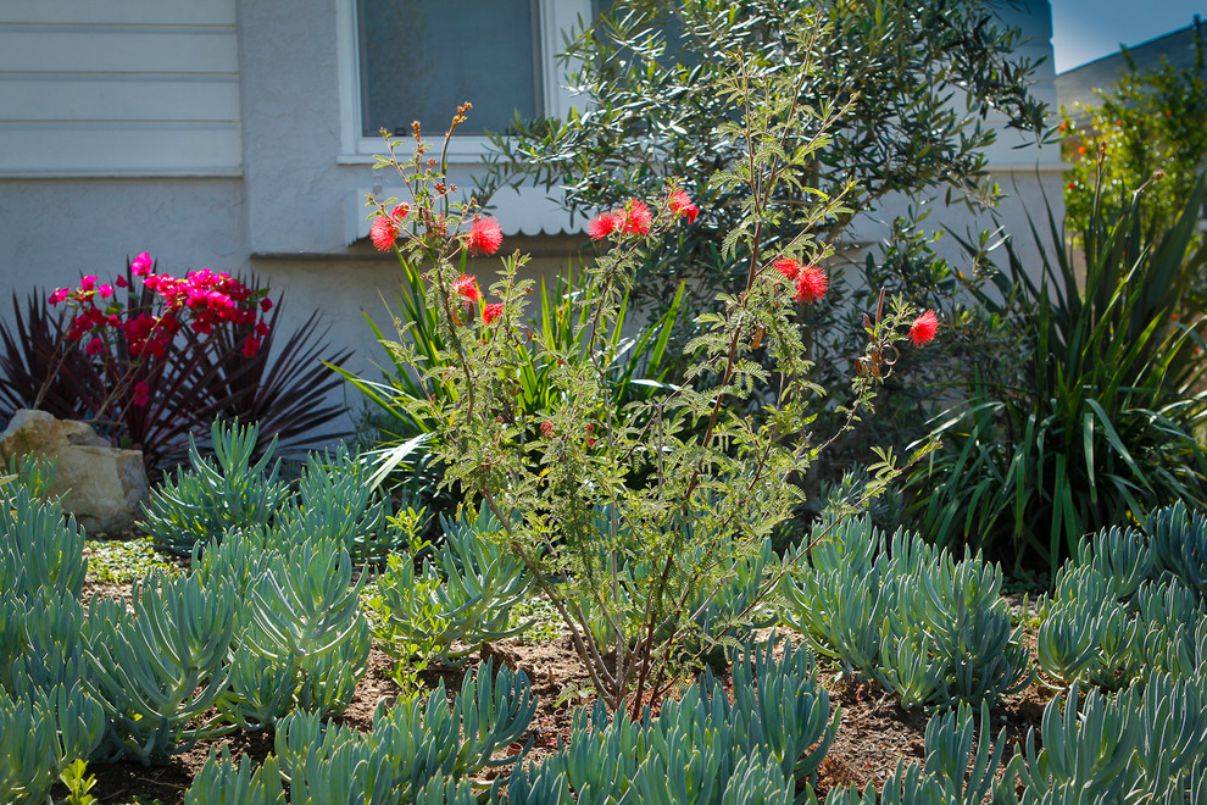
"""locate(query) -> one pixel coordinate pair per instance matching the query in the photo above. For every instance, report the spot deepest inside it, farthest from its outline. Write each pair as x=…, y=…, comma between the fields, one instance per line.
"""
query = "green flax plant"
x=716, y=469
x=1099, y=424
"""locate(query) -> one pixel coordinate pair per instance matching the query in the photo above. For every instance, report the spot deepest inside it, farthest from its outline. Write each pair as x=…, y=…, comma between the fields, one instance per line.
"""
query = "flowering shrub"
x=149, y=357
x=142, y=333
x=640, y=558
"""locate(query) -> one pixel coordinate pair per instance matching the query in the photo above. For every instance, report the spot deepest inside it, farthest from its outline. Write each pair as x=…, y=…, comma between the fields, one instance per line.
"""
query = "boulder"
x=100, y=484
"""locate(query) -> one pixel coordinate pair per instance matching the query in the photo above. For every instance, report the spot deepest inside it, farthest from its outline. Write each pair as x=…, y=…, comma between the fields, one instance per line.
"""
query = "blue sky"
x=1083, y=30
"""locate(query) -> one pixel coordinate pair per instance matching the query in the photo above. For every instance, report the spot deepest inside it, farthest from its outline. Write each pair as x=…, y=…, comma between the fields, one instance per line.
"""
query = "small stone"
x=102, y=486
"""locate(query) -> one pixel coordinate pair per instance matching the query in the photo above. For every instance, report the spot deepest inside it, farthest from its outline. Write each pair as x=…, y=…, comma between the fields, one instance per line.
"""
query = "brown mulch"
x=873, y=736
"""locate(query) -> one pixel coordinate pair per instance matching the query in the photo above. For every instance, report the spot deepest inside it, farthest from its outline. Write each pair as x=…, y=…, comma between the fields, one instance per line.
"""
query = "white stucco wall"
x=285, y=206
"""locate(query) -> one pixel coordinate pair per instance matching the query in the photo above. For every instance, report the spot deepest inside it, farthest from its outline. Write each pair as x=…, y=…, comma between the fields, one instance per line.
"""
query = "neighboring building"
x=239, y=134
x=1077, y=87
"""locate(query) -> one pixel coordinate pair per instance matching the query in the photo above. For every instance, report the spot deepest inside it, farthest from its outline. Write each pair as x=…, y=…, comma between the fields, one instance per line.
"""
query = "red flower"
x=811, y=284
x=604, y=224
x=923, y=330
x=142, y=264
x=251, y=346
x=263, y=330
x=492, y=312
x=400, y=212
x=547, y=429
x=95, y=346
x=681, y=203
x=142, y=394
x=466, y=285
x=788, y=267
x=105, y=291
x=266, y=304
x=485, y=236
x=58, y=296
x=88, y=283
x=121, y=282
x=637, y=218
x=383, y=233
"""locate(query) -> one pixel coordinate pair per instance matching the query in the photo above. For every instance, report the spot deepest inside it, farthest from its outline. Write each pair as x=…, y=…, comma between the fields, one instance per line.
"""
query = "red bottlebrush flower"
x=142, y=394
x=492, y=312
x=603, y=225
x=547, y=429
x=681, y=204
x=95, y=346
x=251, y=346
x=485, y=236
x=923, y=330
x=266, y=304
x=637, y=218
x=788, y=267
x=58, y=296
x=383, y=233
x=142, y=264
x=811, y=285
x=400, y=212
x=590, y=442
x=466, y=286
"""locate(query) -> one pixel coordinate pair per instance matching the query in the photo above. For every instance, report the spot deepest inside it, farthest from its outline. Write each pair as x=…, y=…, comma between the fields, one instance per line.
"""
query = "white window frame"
x=557, y=17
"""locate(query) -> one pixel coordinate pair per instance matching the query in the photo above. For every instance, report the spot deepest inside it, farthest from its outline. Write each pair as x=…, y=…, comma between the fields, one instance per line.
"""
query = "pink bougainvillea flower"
x=142, y=394
x=492, y=312
x=95, y=346
x=681, y=204
x=547, y=429
x=788, y=267
x=121, y=282
x=637, y=218
x=251, y=346
x=266, y=304
x=604, y=224
x=142, y=264
x=88, y=283
x=485, y=236
x=58, y=296
x=466, y=286
x=811, y=284
x=924, y=328
x=263, y=330
x=105, y=291
x=383, y=233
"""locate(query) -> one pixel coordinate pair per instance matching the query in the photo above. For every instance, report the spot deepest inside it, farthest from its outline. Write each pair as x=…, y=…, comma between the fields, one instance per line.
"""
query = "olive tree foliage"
x=916, y=78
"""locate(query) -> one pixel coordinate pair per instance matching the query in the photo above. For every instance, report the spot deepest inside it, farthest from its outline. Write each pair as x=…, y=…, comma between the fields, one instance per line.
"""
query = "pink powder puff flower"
x=485, y=236
x=604, y=224
x=924, y=328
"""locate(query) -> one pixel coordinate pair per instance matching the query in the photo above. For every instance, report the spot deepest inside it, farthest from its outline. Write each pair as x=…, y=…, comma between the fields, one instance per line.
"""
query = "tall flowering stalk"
x=631, y=519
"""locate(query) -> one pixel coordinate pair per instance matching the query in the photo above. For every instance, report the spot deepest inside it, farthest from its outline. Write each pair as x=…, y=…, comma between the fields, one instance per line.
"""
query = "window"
x=405, y=60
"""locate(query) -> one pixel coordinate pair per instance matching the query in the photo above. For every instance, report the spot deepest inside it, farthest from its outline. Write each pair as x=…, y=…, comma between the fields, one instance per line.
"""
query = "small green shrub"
x=895, y=610
x=462, y=595
x=222, y=782
x=201, y=502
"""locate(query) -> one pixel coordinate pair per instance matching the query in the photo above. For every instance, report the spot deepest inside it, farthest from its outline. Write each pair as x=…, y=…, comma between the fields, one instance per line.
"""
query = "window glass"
x=421, y=58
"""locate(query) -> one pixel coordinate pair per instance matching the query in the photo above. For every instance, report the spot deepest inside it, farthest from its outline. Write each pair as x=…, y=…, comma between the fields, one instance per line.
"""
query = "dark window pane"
x=421, y=58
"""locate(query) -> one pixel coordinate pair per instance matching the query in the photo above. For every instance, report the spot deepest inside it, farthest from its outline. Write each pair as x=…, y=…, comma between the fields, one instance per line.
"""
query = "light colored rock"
x=101, y=485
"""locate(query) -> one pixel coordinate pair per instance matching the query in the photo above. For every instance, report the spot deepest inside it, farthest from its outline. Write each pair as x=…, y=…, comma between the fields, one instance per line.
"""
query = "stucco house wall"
x=225, y=134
